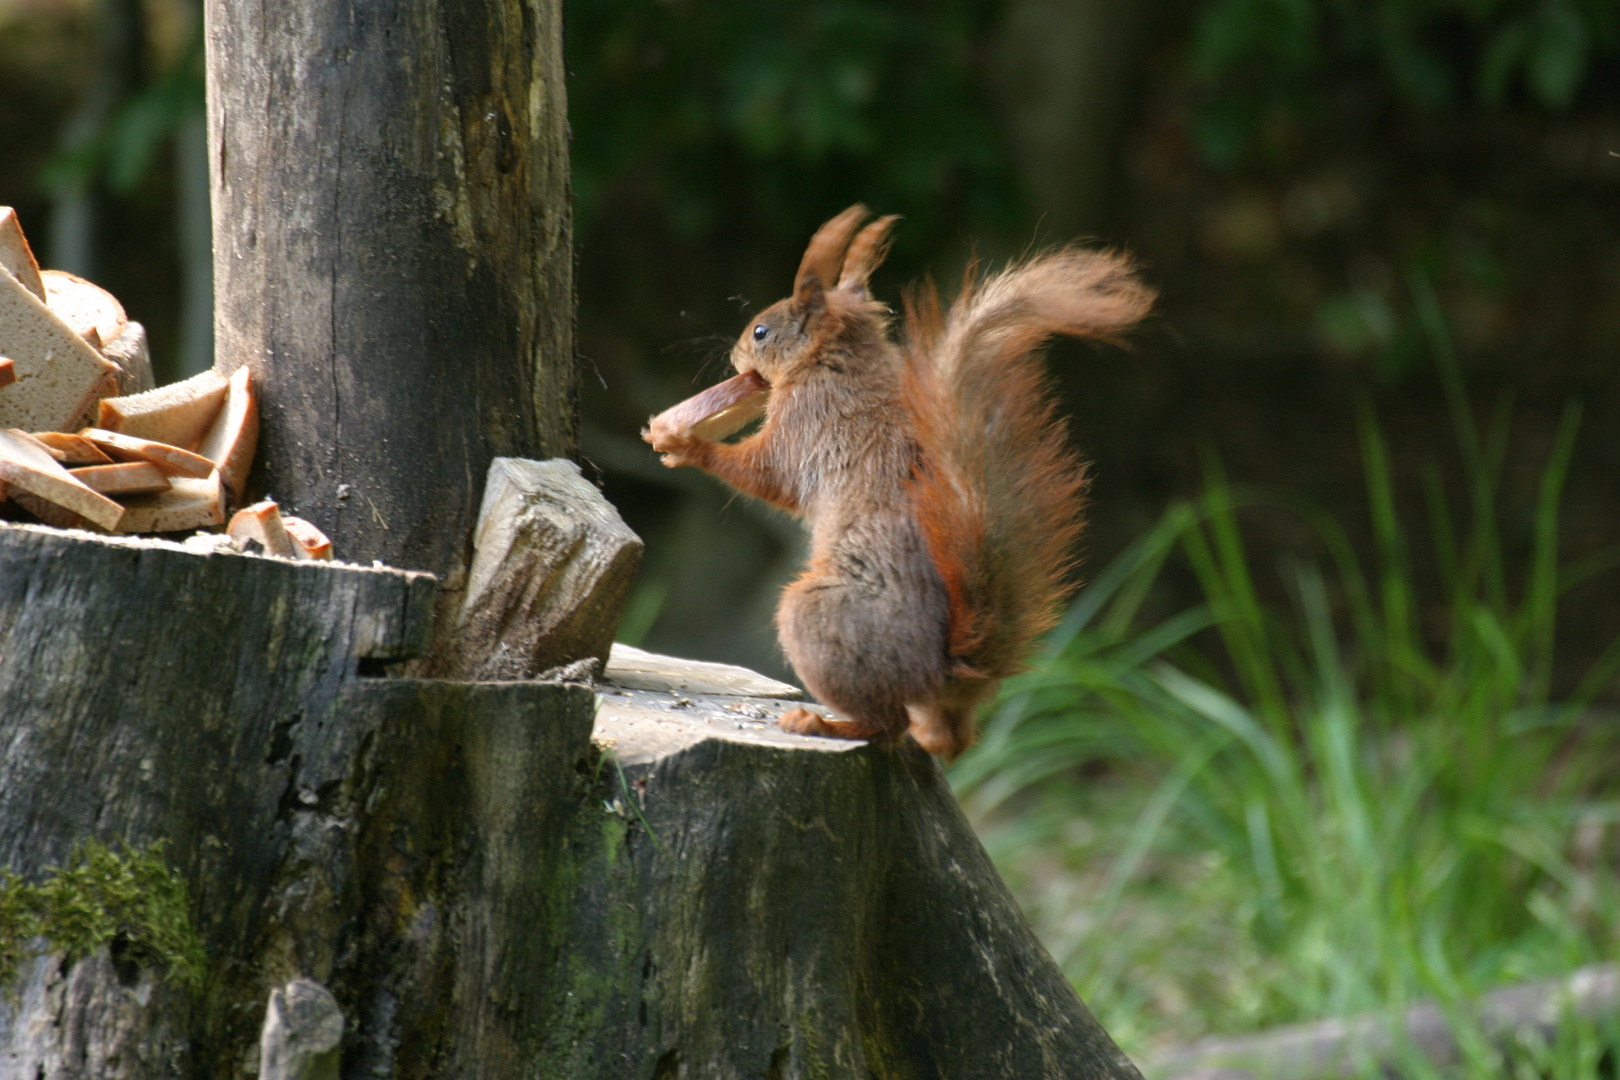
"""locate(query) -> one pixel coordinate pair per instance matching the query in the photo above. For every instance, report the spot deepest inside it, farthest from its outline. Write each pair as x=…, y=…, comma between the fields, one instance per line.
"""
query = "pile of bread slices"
x=86, y=441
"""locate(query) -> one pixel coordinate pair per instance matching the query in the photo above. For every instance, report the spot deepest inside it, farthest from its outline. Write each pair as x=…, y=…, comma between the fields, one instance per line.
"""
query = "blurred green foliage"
x=123, y=149
x=1261, y=57
x=1351, y=800
x=778, y=112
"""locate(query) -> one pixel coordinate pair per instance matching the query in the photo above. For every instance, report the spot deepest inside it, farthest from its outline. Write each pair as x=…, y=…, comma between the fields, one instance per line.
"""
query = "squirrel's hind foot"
x=802, y=721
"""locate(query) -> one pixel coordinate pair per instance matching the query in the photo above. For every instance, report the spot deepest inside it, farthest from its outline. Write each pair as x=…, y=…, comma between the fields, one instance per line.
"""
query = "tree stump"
x=494, y=880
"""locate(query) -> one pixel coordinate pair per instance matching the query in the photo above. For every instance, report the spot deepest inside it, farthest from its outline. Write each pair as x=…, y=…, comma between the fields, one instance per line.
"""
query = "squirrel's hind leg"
x=862, y=647
x=944, y=726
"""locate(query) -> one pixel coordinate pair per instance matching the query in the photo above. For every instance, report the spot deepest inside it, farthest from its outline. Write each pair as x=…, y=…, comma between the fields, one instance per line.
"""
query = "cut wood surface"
x=58, y=374
x=552, y=566
x=124, y=478
x=84, y=306
x=28, y=466
x=174, y=460
x=189, y=503
x=16, y=257
x=179, y=414
x=636, y=669
x=1361, y=1044
x=130, y=353
x=234, y=436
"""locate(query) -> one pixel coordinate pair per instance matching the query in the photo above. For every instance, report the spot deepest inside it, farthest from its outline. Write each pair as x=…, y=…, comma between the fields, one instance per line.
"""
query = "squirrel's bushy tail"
x=999, y=493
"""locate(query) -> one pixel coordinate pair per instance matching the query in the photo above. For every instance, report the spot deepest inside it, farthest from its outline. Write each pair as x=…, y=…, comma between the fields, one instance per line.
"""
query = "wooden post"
x=392, y=255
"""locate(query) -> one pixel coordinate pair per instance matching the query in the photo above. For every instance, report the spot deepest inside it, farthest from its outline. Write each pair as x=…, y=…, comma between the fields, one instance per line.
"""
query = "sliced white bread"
x=124, y=478
x=171, y=459
x=716, y=413
x=190, y=503
x=15, y=255
x=179, y=414
x=71, y=450
x=230, y=443
x=262, y=522
x=28, y=467
x=83, y=305
x=58, y=373
x=312, y=543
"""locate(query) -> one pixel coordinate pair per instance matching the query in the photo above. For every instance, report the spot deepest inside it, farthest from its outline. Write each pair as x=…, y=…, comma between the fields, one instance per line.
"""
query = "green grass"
x=1253, y=813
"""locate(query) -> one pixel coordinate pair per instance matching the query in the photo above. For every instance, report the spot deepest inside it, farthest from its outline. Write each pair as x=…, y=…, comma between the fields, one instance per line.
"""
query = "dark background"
x=1297, y=177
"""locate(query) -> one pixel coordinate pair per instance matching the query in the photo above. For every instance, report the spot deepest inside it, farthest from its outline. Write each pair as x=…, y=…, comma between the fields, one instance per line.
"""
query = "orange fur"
x=942, y=498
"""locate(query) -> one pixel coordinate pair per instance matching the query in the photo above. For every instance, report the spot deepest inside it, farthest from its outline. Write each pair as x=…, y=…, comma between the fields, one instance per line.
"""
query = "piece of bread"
x=15, y=255
x=8, y=371
x=48, y=513
x=71, y=450
x=312, y=543
x=56, y=455
x=28, y=467
x=107, y=389
x=721, y=410
x=134, y=359
x=58, y=374
x=230, y=443
x=171, y=459
x=179, y=414
x=124, y=478
x=83, y=305
x=190, y=503
x=262, y=522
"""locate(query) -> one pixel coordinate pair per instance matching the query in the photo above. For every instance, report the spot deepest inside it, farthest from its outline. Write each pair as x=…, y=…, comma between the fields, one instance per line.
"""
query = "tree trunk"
x=490, y=887
x=1068, y=70
x=393, y=256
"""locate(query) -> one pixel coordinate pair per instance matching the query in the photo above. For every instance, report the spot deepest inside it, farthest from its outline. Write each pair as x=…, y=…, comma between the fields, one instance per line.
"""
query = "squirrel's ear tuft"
x=809, y=294
x=866, y=253
x=825, y=255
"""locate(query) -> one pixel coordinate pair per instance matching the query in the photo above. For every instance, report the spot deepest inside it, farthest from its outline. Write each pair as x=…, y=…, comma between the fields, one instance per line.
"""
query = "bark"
x=393, y=256
x=796, y=907
x=489, y=887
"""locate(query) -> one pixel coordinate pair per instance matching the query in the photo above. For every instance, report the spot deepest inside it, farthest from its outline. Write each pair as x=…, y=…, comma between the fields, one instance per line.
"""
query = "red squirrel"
x=942, y=499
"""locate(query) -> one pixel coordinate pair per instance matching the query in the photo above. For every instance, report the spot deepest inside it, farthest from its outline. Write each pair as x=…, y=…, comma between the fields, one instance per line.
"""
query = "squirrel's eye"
x=761, y=333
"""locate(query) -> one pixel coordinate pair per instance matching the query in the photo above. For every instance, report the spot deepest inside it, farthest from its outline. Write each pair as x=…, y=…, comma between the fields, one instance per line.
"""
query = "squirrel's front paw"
x=674, y=443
